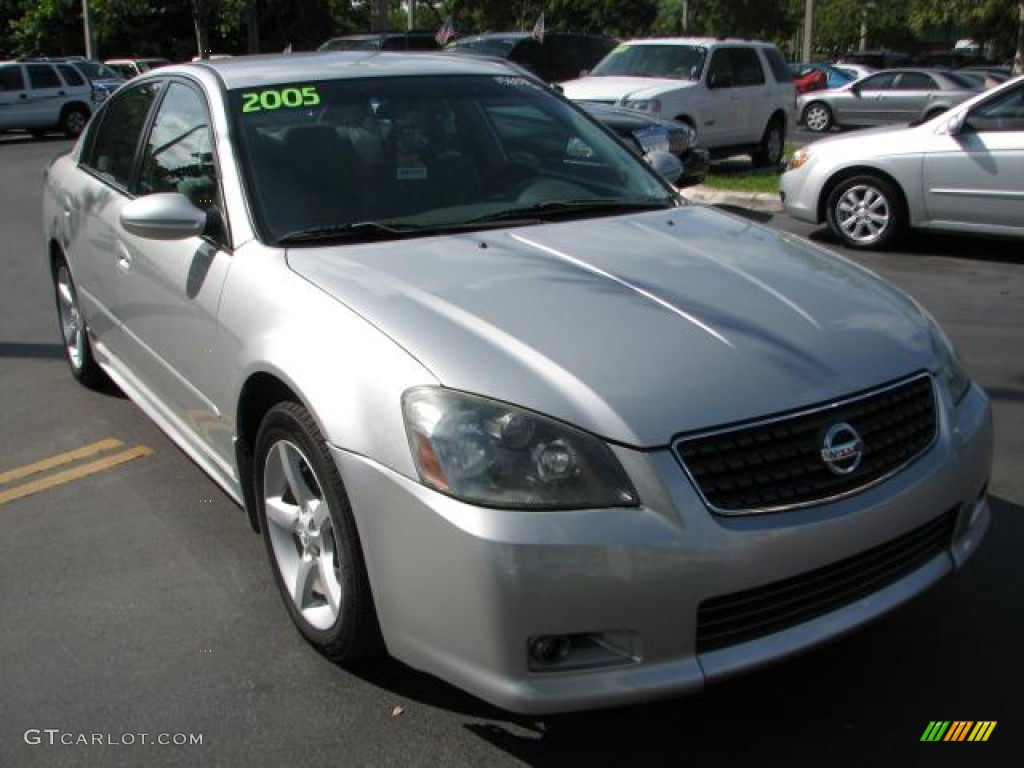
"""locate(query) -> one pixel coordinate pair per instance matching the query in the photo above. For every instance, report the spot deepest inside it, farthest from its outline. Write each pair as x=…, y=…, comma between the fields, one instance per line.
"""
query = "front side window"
x=402, y=157
x=683, y=62
x=178, y=156
x=113, y=143
x=1005, y=112
x=882, y=82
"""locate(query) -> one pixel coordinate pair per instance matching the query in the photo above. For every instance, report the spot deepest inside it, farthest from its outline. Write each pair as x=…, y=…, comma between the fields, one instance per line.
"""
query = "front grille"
x=742, y=616
x=777, y=464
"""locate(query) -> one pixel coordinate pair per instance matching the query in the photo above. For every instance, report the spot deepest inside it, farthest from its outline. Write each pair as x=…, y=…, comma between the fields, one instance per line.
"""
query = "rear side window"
x=746, y=67
x=71, y=75
x=114, y=142
x=780, y=70
x=11, y=78
x=916, y=81
x=43, y=76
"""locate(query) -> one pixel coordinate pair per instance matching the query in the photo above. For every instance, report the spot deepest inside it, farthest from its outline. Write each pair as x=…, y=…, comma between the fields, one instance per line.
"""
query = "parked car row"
x=889, y=96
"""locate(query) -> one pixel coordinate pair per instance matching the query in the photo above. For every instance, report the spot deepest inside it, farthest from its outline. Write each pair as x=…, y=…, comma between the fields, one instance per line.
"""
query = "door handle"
x=124, y=257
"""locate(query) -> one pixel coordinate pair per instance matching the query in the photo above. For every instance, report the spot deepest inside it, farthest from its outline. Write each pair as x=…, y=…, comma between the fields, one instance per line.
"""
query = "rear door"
x=14, y=103
x=911, y=95
x=46, y=94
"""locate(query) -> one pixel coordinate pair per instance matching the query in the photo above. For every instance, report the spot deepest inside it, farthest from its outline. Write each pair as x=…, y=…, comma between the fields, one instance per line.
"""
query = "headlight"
x=799, y=157
x=950, y=369
x=644, y=105
x=653, y=139
x=486, y=452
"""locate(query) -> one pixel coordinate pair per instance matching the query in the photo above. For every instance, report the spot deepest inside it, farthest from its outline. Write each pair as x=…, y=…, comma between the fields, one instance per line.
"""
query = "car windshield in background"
x=399, y=157
x=487, y=46
x=682, y=62
x=96, y=71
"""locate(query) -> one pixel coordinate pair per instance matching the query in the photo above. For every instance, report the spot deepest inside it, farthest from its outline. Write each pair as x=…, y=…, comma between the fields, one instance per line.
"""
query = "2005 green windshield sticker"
x=270, y=99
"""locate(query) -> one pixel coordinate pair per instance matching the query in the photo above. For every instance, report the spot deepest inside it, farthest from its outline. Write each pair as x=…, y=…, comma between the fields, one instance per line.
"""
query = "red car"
x=810, y=80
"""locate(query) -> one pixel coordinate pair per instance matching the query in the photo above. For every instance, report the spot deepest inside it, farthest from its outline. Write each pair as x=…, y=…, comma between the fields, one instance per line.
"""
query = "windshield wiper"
x=557, y=208
x=371, y=229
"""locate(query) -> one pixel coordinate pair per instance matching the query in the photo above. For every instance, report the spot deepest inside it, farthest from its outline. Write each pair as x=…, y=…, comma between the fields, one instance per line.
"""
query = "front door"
x=975, y=175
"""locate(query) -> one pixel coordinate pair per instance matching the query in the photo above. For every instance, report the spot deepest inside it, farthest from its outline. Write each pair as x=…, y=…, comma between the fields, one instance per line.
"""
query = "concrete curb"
x=755, y=201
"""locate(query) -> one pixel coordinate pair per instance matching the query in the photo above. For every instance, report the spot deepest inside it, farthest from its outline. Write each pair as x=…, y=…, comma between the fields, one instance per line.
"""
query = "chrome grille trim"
x=685, y=447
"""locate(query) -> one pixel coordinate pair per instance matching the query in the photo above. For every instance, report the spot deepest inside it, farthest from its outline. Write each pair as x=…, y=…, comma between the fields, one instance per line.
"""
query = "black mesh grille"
x=778, y=464
x=742, y=616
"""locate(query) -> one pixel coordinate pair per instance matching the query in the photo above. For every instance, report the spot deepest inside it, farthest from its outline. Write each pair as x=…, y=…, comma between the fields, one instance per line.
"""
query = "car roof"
x=705, y=41
x=249, y=71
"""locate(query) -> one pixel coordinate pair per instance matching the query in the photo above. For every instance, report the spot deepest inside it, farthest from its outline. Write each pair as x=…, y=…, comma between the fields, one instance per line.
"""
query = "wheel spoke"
x=280, y=513
x=65, y=294
x=291, y=463
x=329, y=580
x=301, y=584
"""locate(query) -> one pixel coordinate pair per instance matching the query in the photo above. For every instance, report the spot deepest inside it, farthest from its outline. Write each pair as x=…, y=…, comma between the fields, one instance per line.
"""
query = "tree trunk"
x=201, y=19
x=1018, y=60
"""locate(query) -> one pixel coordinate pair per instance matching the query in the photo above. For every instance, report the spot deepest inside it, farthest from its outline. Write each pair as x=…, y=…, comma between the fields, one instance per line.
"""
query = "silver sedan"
x=962, y=171
x=498, y=399
x=889, y=96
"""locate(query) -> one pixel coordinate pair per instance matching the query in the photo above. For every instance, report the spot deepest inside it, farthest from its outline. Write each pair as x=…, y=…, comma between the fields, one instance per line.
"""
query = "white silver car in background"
x=962, y=171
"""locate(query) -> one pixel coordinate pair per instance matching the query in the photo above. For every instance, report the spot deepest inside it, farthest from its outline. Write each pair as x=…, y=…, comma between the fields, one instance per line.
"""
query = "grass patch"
x=738, y=175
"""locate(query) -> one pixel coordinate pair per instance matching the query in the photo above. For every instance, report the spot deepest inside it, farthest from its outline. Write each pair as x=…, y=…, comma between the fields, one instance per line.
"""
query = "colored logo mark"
x=958, y=730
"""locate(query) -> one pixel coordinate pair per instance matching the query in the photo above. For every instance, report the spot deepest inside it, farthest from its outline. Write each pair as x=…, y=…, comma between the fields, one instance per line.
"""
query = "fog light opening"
x=550, y=649
x=587, y=650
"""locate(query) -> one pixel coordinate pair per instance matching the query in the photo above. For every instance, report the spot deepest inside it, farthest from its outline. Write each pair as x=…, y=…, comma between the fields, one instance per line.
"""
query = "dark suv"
x=561, y=55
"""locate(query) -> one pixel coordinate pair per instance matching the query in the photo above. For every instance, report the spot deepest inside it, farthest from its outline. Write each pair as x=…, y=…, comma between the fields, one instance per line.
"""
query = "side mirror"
x=665, y=164
x=855, y=90
x=163, y=216
x=955, y=125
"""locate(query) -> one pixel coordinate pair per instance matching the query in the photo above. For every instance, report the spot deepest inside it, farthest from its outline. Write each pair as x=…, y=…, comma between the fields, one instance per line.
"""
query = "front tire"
x=867, y=212
x=769, y=152
x=73, y=330
x=311, y=537
x=818, y=117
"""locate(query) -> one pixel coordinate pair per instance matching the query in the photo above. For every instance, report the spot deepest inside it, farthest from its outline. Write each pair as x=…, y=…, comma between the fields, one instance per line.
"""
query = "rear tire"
x=310, y=534
x=73, y=329
x=769, y=152
x=73, y=120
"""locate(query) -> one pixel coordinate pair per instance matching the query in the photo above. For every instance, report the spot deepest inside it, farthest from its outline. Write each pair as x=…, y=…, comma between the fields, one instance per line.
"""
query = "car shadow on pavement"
x=981, y=248
x=868, y=694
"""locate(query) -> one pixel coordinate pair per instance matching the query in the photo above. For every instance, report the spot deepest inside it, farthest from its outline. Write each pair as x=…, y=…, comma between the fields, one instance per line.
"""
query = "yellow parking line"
x=75, y=473
x=61, y=458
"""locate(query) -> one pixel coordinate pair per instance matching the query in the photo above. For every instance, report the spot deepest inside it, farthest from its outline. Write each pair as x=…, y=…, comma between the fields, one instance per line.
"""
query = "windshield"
x=405, y=156
x=682, y=62
x=96, y=71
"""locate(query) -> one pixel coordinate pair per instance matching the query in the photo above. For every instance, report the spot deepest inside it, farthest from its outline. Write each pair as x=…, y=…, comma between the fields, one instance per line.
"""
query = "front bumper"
x=462, y=591
x=696, y=163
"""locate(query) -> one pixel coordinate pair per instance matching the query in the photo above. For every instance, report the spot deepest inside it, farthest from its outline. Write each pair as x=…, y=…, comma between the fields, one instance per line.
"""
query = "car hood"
x=613, y=89
x=637, y=327
x=868, y=143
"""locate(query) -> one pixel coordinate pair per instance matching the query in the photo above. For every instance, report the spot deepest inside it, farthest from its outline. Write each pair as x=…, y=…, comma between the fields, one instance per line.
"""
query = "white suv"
x=738, y=94
x=44, y=96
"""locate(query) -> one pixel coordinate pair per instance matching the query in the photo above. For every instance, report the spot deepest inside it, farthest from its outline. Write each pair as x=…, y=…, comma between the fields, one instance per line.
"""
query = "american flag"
x=445, y=32
x=538, y=29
